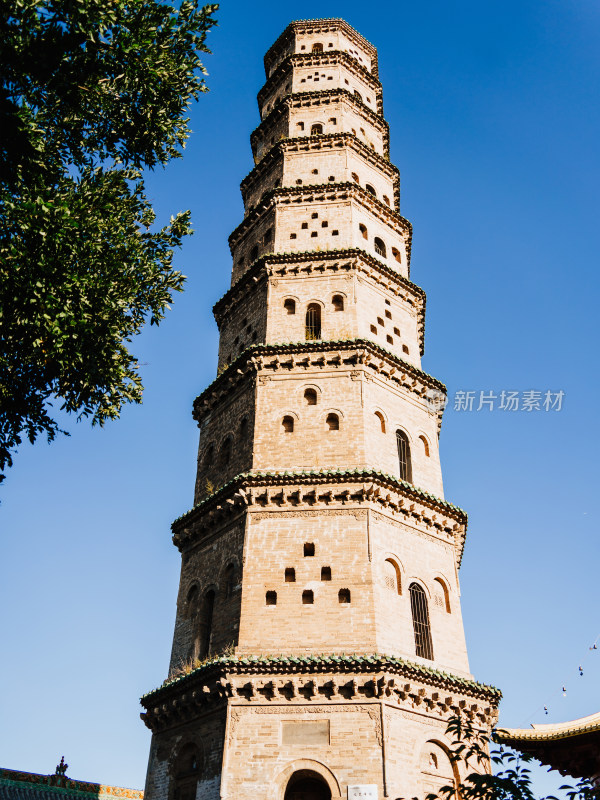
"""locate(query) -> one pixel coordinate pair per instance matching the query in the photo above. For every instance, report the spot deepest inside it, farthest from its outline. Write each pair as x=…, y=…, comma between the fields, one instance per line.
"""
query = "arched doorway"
x=307, y=785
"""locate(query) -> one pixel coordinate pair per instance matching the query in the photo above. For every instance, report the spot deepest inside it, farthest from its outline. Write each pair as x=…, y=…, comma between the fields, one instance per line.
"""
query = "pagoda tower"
x=319, y=648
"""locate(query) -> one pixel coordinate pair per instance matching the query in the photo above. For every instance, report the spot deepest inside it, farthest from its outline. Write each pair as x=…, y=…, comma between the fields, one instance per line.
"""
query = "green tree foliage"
x=93, y=92
x=498, y=773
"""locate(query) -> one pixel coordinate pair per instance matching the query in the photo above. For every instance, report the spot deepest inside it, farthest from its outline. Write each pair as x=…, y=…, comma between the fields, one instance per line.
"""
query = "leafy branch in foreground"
x=499, y=774
x=92, y=92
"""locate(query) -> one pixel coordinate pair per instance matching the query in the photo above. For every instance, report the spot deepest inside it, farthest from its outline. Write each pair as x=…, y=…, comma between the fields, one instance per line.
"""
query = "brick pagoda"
x=319, y=646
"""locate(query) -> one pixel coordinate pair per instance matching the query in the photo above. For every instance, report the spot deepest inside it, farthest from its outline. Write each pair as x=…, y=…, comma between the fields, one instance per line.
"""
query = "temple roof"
x=572, y=747
x=17, y=785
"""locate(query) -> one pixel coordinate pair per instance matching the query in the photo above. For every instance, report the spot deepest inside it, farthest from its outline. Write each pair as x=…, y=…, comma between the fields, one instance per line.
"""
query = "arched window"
x=206, y=623
x=425, y=444
x=381, y=421
x=244, y=428
x=309, y=548
x=358, y=95
x=404, y=460
x=421, y=626
x=287, y=423
x=316, y=129
x=271, y=599
x=338, y=302
x=290, y=575
x=355, y=177
x=317, y=47
x=225, y=454
x=363, y=229
x=191, y=601
x=442, y=598
x=290, y=305
x=379, y=246
x=396, y=254
x=333, y=422
x=209, y=455
x=437, y=770
x=228, y=580
x=325, y=573
x=268, y=236
x=391, y=576
x=308, y=597
x=313, y=322
x=344, y=596
x=370, y=189
x=310, y=397
x=254, y=253
x=186, y=773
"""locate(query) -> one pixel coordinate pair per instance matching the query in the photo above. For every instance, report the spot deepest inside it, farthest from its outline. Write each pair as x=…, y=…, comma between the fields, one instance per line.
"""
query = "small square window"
x=397, y=331
x=405, y=349
x=292, y=235
x=379, y=321
x=330, y=77
x=388, y=314
x=331, y=178
x=309, y=548
x=313, y=234
x=346, y=81
x=314, y=215
x=324, y=224
x=335, y=233
x=325, y=573
x=315, y=172
x=304, y=226
x=387, y=302
x=299, y=181
x=302, y=47
x=373, y=329
x=389, y=339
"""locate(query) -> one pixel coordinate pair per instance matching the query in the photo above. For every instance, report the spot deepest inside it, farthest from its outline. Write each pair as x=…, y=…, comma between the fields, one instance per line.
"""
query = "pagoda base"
x=322, y=727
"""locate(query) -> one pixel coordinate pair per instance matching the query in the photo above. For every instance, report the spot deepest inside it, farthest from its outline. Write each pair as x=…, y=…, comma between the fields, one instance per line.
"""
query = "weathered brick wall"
x=390, y=317
x=340, y=543
x=244, y=326
x=252, y=243
x=422, y=558
x=226, y=422
x=213, y=565
x=208, y=733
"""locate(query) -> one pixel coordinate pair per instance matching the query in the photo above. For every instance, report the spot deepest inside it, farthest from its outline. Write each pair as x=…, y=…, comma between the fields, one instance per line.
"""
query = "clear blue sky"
x=494, y=116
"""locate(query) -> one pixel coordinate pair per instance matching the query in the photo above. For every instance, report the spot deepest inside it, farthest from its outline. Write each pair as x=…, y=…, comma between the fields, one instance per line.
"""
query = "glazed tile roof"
x=548, y=733
x=17, y=785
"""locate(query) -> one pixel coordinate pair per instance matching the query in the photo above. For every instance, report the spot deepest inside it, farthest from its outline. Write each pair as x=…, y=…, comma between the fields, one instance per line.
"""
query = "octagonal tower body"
x=318, y=643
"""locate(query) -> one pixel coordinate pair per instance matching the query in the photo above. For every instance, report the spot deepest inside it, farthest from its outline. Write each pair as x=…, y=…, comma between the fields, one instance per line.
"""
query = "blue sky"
x=495, y=127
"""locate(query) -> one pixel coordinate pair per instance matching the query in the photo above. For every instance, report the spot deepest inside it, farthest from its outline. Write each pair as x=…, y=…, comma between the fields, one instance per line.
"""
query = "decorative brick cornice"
x=323, y=25
x=327, y=141
x=345, y=353
x=323, y=489
x=329, y=193
x=330, y=679
x=320, y=98
x=324, y=262
x=325, y=57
